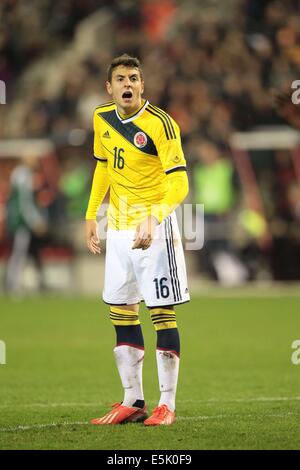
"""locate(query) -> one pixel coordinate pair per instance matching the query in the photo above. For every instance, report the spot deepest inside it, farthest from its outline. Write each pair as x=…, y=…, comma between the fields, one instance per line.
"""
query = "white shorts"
x=156, y=275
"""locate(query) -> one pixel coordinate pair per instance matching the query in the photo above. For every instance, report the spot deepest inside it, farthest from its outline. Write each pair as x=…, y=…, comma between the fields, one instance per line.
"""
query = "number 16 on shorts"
x=161, y=288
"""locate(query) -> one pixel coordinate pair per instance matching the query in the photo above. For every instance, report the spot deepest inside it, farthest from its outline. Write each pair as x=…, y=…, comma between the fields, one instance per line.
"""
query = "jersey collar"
x=134, y=116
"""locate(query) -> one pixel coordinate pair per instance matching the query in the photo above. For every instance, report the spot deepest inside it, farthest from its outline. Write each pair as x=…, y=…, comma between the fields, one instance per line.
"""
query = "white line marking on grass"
x=95, y=405
x=43, y=426
x=53, y=405
x=223, y=416
x=241, y=400
x=180, y=418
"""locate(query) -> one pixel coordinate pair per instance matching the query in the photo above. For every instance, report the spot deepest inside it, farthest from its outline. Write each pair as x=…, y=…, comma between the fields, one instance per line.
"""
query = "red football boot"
x=122, y=414
x=161, y=416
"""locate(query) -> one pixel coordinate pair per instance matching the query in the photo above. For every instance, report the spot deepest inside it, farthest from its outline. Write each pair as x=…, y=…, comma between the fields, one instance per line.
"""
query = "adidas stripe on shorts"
x=156, y=275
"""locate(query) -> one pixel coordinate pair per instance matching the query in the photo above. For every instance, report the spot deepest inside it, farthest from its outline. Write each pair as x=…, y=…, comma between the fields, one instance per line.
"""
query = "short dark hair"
x=125, y=60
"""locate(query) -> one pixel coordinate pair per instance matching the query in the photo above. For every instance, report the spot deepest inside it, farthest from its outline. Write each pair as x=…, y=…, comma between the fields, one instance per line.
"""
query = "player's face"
x=126, y=88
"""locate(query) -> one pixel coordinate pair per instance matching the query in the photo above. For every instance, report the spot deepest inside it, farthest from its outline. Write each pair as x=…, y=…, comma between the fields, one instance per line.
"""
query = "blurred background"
x=213, y=66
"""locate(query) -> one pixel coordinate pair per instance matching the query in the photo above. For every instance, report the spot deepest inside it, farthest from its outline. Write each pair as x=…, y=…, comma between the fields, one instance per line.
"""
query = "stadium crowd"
x=212, y=70
x=213, y=74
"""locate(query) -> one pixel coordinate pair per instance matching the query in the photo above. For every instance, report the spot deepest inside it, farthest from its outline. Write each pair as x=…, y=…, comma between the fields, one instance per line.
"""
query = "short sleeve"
x=98, y=148
x=169, y=146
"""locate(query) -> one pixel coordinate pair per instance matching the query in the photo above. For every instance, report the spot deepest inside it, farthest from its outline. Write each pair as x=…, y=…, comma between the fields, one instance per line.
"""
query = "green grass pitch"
x=238, y=388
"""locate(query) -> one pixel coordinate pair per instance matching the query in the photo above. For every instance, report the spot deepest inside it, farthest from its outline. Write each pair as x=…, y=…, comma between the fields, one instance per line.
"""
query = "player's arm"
x=178, y=188
x=174, y=165
x=99, y=189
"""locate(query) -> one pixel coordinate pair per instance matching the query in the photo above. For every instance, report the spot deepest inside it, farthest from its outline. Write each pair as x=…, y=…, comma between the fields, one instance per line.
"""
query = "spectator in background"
x=74, y=185
x=214, y=187
x=251, y=231
x=27, y=223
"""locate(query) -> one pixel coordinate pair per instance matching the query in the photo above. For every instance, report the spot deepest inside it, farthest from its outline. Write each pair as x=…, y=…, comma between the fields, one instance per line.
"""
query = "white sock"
x=168, y=368
x=130, y=366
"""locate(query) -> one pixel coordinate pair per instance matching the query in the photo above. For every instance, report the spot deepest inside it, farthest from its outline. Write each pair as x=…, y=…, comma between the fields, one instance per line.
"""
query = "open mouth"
x=127, y=95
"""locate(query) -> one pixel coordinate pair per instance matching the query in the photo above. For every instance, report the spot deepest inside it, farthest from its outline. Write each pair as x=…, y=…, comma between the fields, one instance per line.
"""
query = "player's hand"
x=92, y=240
x=144, y=233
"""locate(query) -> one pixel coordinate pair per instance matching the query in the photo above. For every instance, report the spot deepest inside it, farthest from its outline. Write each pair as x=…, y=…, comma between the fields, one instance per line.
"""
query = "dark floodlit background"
x=212, y=65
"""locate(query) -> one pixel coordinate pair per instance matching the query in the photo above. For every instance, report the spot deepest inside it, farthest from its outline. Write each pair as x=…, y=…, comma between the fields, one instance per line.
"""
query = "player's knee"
x=163, y=318
x=122, y=317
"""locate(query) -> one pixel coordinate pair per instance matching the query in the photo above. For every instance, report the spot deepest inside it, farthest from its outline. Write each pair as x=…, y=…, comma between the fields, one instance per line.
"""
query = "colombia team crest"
x=140, y=139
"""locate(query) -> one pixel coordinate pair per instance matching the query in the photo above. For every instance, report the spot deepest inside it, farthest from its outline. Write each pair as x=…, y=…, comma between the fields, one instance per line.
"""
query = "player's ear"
x=142, y=86
x=108, y=88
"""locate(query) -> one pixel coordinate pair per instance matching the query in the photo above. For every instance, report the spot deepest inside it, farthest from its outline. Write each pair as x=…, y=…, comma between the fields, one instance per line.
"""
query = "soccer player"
x=140, y=159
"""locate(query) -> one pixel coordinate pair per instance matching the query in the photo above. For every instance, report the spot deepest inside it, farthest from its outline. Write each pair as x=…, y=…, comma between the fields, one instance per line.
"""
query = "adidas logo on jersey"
x=106, y=135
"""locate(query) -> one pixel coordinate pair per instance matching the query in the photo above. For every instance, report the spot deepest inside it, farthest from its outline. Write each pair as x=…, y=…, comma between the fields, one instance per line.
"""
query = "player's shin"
x=129, y=355
x=167, y=354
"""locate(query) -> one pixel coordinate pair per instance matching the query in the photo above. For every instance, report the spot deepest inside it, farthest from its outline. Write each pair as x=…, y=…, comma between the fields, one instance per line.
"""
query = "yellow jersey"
x=139, y=151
